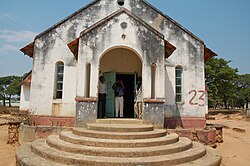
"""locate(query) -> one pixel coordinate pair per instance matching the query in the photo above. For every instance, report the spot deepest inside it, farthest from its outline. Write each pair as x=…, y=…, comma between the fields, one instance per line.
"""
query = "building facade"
x=119, y=39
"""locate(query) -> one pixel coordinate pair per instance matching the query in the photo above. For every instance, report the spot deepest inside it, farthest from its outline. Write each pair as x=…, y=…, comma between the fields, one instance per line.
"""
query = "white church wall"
x=51, y=47
x=24, y=98
x=109, y=36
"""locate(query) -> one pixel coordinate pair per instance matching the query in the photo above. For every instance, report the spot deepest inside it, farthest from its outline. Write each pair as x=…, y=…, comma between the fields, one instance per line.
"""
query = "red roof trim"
x=28, y=50
x=209, y=54
x=73, y=46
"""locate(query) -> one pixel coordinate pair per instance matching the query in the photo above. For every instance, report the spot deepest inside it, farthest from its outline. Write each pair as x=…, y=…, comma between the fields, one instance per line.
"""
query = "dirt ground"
x=7, y=152
x=235, y=150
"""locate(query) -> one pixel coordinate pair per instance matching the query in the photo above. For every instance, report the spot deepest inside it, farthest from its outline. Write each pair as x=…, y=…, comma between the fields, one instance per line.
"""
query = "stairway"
x=112, y=142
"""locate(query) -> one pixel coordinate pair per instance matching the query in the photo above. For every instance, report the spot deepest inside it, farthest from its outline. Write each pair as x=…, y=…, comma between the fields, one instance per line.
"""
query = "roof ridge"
x=129, y=13
x=173, y=21
x=65, y=19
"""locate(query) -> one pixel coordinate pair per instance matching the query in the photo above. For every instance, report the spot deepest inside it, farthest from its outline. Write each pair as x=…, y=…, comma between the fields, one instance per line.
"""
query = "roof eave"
x=73, y=46
x=208, y=54
x=169, y=49
x=28, y=50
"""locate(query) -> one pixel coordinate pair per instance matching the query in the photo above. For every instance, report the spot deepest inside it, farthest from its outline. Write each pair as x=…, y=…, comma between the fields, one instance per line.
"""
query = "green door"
x=110, y=79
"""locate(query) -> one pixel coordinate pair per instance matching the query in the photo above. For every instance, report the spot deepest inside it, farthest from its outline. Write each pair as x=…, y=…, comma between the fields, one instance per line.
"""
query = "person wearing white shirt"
x=102, y=93
x=138, y=106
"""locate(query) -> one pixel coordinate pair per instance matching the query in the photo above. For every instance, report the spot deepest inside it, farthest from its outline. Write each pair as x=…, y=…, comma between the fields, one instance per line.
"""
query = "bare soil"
x=235, y=149
x=7, y=152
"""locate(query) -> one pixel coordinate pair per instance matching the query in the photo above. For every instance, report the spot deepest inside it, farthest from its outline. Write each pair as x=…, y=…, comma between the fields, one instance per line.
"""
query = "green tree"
x=14, y=88
x=9, y=86
x=243, y=83
x=221, y=82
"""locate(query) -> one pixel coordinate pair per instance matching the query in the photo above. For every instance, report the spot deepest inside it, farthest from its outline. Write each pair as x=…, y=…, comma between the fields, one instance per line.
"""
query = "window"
x=153, y=78
x=88, y=74
x=178, y=83
x=59, y=80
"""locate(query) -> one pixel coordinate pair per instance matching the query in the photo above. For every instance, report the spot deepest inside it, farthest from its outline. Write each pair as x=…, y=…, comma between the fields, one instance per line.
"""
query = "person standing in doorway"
x=138, y=106
x=119, y=93
x=102, y=93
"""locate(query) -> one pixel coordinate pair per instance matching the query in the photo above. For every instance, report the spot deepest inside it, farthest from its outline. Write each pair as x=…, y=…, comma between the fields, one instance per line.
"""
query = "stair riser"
x=106, y=136
x=117, y=144
x=113, y=129
x=119, y=121
x=130, y=154
x=81, y=161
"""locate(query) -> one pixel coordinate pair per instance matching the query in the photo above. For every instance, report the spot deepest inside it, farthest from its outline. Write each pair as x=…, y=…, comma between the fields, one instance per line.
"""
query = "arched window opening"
x=178, y=83
x=59, y=80
x=153, y=78
x=88, y=74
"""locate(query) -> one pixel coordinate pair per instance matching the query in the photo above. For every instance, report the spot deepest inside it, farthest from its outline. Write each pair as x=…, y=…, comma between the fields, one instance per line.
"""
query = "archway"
x=121, y=63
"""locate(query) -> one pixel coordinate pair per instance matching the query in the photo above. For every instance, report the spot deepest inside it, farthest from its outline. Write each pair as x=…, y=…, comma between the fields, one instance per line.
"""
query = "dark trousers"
x=102, y=105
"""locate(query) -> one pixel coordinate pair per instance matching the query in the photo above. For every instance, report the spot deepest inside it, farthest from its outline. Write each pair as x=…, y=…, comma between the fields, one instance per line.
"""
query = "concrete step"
x=119, y=121
x=182, y=145
x=25, y=157
x=120, y=127
x=68, y=136
x=212, y=158
x=119, y=135
x=40, y=148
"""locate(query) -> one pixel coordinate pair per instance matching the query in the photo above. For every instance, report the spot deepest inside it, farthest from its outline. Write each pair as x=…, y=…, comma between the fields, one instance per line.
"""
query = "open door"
x=110, y=79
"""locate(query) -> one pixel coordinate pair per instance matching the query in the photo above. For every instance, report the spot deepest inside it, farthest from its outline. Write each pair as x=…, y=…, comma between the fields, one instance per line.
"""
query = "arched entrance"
x=124, y=64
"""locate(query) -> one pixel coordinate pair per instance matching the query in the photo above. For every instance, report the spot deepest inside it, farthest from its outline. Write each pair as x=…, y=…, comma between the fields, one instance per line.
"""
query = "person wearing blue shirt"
x=119, y=93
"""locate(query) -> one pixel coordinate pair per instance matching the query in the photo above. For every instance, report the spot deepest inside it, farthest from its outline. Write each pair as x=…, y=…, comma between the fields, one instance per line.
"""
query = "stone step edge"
x=183, y=144
x=25, y=157
x=212, y=158
x=68, y=136
x=39, y=147
x=119, y=135
x=120, y=127
x=119, y=121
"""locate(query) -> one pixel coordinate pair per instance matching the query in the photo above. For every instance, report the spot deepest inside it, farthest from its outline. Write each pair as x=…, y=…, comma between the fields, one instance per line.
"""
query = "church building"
x=120, y=40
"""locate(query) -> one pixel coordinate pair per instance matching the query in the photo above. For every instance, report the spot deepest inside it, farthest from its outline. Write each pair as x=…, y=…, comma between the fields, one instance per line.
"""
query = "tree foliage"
x=225, y=87
x=9, y=85
x=243, y=84
x=220, y=79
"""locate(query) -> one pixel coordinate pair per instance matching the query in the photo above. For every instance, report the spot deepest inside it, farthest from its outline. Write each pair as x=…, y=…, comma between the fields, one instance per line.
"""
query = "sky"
x=224, y=26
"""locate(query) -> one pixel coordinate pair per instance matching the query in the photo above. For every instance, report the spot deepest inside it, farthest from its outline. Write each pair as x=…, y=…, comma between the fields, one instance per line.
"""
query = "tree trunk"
x=4, y=104
x=225, y=104
x=10, y=101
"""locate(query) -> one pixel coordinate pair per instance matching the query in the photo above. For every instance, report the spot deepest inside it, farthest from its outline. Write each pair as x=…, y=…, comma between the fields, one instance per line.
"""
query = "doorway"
x=128, y=82
x=120, y=63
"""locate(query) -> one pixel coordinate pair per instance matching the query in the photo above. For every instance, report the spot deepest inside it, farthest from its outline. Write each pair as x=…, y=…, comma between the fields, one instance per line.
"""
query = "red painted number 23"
x=201, y=97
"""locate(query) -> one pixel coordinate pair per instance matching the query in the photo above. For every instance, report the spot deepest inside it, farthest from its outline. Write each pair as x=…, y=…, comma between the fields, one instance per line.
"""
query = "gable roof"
x=67, y=18
x=95, y=1
x=73, y=46
x=29, y=49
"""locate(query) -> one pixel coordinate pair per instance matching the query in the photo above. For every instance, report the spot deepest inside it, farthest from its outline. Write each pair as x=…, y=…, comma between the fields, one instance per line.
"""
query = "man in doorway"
x=138, y=98
x=119, y=93
x=102, y=93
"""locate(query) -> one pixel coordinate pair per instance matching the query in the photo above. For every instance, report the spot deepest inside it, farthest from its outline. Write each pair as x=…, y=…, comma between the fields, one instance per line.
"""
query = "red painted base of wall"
x=38, y=120
x=206, y=136
x=186, y=123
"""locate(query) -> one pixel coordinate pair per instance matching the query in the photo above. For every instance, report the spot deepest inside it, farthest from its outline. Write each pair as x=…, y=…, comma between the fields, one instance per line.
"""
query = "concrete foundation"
x=154, y=113
x=86, y=111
